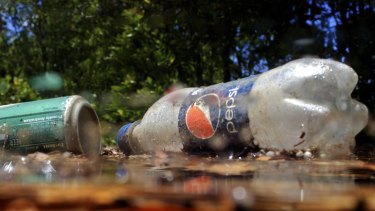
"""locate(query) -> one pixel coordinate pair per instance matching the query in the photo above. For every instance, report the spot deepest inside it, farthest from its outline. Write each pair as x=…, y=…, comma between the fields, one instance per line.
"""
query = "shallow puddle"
x=178, y=181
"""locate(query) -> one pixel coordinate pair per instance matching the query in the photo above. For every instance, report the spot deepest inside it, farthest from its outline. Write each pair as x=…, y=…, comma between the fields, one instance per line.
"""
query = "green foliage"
x=122, y=54
x=15, y=89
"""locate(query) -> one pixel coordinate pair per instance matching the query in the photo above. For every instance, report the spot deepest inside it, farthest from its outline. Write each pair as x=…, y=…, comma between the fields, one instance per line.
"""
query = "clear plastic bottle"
x=304, y=104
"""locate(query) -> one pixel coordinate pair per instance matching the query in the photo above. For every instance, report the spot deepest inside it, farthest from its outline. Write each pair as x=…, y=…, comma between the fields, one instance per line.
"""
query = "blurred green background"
x=122, y=55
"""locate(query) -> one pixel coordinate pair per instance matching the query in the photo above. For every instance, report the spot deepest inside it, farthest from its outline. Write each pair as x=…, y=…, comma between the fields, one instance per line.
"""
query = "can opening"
x=88, y=129
x=82, y=127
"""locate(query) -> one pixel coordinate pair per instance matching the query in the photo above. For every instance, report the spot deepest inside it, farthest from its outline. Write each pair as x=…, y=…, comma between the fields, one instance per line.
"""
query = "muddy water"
x=177, y=181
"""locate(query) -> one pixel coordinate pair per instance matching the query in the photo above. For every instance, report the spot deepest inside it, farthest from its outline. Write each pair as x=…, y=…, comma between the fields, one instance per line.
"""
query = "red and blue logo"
x=202, y=117
x=214, y=115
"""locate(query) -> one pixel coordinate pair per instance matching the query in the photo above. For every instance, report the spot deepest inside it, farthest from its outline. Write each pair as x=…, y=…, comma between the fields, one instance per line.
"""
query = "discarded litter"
x=302, y=105
x=65, y=123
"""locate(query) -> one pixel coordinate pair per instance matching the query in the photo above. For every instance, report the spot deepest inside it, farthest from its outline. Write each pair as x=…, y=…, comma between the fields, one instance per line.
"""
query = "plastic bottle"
x=302, y=105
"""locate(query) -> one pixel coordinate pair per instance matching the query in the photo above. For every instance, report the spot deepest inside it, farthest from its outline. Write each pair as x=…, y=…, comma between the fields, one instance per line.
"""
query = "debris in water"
x=270, y=154
x=299, y=154
x=307, y=155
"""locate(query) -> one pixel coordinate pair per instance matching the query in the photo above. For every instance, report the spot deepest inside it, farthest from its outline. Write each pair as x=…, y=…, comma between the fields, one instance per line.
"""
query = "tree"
x=122, y=55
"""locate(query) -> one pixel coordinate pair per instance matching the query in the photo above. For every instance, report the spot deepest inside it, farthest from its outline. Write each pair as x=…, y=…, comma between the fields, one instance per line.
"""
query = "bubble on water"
x=230, y=157
x=166, y=177
x=307, y=155
x=244, y=200
x=270, y=154
x=239, y=193
x=299, y=154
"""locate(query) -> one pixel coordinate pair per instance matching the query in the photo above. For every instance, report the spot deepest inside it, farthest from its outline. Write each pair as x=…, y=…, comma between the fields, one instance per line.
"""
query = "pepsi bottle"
x=305, y=104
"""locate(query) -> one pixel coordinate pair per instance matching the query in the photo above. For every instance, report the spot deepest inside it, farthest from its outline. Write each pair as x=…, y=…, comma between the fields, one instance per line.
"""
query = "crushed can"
x=66, y=124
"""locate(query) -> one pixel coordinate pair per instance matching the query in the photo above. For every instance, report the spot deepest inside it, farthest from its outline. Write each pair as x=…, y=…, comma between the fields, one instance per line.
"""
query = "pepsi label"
x=215, y=118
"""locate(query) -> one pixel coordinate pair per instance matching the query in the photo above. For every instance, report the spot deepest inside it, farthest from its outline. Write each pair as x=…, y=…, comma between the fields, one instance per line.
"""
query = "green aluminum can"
x=64, y=123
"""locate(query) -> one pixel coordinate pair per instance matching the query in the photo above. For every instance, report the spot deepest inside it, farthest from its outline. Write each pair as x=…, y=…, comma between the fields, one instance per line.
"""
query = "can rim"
x=82, y=127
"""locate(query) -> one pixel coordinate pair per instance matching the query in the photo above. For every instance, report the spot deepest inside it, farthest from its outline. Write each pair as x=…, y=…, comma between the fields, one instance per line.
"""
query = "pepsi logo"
x=202, y=117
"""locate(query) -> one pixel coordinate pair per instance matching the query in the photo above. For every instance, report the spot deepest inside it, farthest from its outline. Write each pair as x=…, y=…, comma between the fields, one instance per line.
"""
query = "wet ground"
x=162, y=181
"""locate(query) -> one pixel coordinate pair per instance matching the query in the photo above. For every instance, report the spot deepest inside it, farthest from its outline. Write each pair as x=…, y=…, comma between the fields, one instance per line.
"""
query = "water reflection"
x=246, y=183
x=8, y=167
x=122, y=174
x=43, y=168
x=48, y=170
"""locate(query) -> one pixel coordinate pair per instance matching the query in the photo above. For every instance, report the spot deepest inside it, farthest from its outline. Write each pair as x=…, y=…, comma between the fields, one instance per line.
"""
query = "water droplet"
x=270, y=154
x=239, y=193
x=299, y=154
x=166, y=177
x=307, y=155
